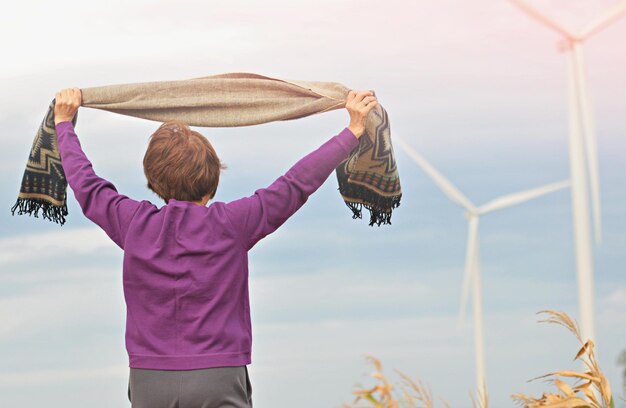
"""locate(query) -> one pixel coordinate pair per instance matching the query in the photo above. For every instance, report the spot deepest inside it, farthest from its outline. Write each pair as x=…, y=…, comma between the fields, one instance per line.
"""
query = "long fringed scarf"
x=367, y=178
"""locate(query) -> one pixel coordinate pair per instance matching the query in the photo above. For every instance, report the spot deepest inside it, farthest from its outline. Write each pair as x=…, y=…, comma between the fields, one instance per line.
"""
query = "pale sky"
x=476, y=87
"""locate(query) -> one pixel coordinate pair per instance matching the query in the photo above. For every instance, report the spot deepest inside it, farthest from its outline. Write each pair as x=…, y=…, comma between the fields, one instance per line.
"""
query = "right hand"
x=359, y=104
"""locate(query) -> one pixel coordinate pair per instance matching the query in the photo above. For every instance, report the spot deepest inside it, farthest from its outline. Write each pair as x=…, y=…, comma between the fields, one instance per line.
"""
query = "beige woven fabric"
x=225, y=100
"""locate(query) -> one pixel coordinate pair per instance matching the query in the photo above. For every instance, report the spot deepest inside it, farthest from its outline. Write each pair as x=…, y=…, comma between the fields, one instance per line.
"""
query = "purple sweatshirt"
x=185, y=268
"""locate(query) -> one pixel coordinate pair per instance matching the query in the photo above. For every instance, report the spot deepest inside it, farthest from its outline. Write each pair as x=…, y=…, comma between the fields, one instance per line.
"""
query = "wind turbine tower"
x=472, y=260
x=582, y=145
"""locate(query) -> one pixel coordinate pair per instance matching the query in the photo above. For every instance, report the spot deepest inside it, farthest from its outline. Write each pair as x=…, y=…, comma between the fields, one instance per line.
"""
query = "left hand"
x=67, y=103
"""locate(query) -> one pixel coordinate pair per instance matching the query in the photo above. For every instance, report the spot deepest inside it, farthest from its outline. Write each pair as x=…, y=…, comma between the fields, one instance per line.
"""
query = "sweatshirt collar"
x=173, y=201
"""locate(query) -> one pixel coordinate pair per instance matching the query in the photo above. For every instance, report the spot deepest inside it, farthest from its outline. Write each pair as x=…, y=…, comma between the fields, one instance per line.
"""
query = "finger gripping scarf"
x=367, y=178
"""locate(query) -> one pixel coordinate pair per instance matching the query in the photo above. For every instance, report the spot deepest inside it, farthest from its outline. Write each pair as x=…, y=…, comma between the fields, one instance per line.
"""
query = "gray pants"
x=219, y=387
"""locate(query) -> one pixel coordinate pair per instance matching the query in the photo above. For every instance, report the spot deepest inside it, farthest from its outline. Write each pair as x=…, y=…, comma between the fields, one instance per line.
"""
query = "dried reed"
x=590, y=389
x=409, y=393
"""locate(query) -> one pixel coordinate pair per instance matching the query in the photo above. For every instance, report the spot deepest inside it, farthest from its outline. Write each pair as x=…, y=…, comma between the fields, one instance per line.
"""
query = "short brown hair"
x=180, y=163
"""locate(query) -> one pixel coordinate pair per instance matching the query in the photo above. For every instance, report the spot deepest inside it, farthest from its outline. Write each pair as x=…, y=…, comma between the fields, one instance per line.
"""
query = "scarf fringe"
x=377, y=215
x=31, y=206
x=356, y=197
x=380, y=211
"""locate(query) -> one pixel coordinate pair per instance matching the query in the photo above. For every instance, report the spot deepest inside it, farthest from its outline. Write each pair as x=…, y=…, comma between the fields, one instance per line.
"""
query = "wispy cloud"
x=61, y=376
x=66, y=242
x=59, y=305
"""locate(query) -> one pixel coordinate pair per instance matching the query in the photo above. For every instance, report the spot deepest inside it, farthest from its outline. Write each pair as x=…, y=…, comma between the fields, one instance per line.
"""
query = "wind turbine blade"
x=589, y=136
x=444, y=184
x=520, y=197
x=534, y=13
x=605, y=20
x=470, y=265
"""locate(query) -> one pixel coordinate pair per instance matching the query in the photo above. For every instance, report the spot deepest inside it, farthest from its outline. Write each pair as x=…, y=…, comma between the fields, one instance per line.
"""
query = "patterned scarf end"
x=378, y=214
x=31, y=206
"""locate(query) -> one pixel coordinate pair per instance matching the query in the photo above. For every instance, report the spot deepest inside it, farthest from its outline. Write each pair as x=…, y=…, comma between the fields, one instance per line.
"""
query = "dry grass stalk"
x=591, y=388
x=412, y=394
x=481, y=400
x=380, y=395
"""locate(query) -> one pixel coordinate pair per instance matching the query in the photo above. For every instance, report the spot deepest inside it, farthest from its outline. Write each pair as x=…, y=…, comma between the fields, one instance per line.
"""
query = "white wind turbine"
x=472, y=259
x=582, y=140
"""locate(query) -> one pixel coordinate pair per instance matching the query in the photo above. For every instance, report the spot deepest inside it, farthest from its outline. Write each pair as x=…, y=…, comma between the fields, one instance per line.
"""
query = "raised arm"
x=97, y=197
x=260, y=214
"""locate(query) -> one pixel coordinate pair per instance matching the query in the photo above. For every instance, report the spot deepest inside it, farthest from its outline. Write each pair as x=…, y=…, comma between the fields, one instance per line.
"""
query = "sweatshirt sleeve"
x=260, y=214
x=97, y=197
